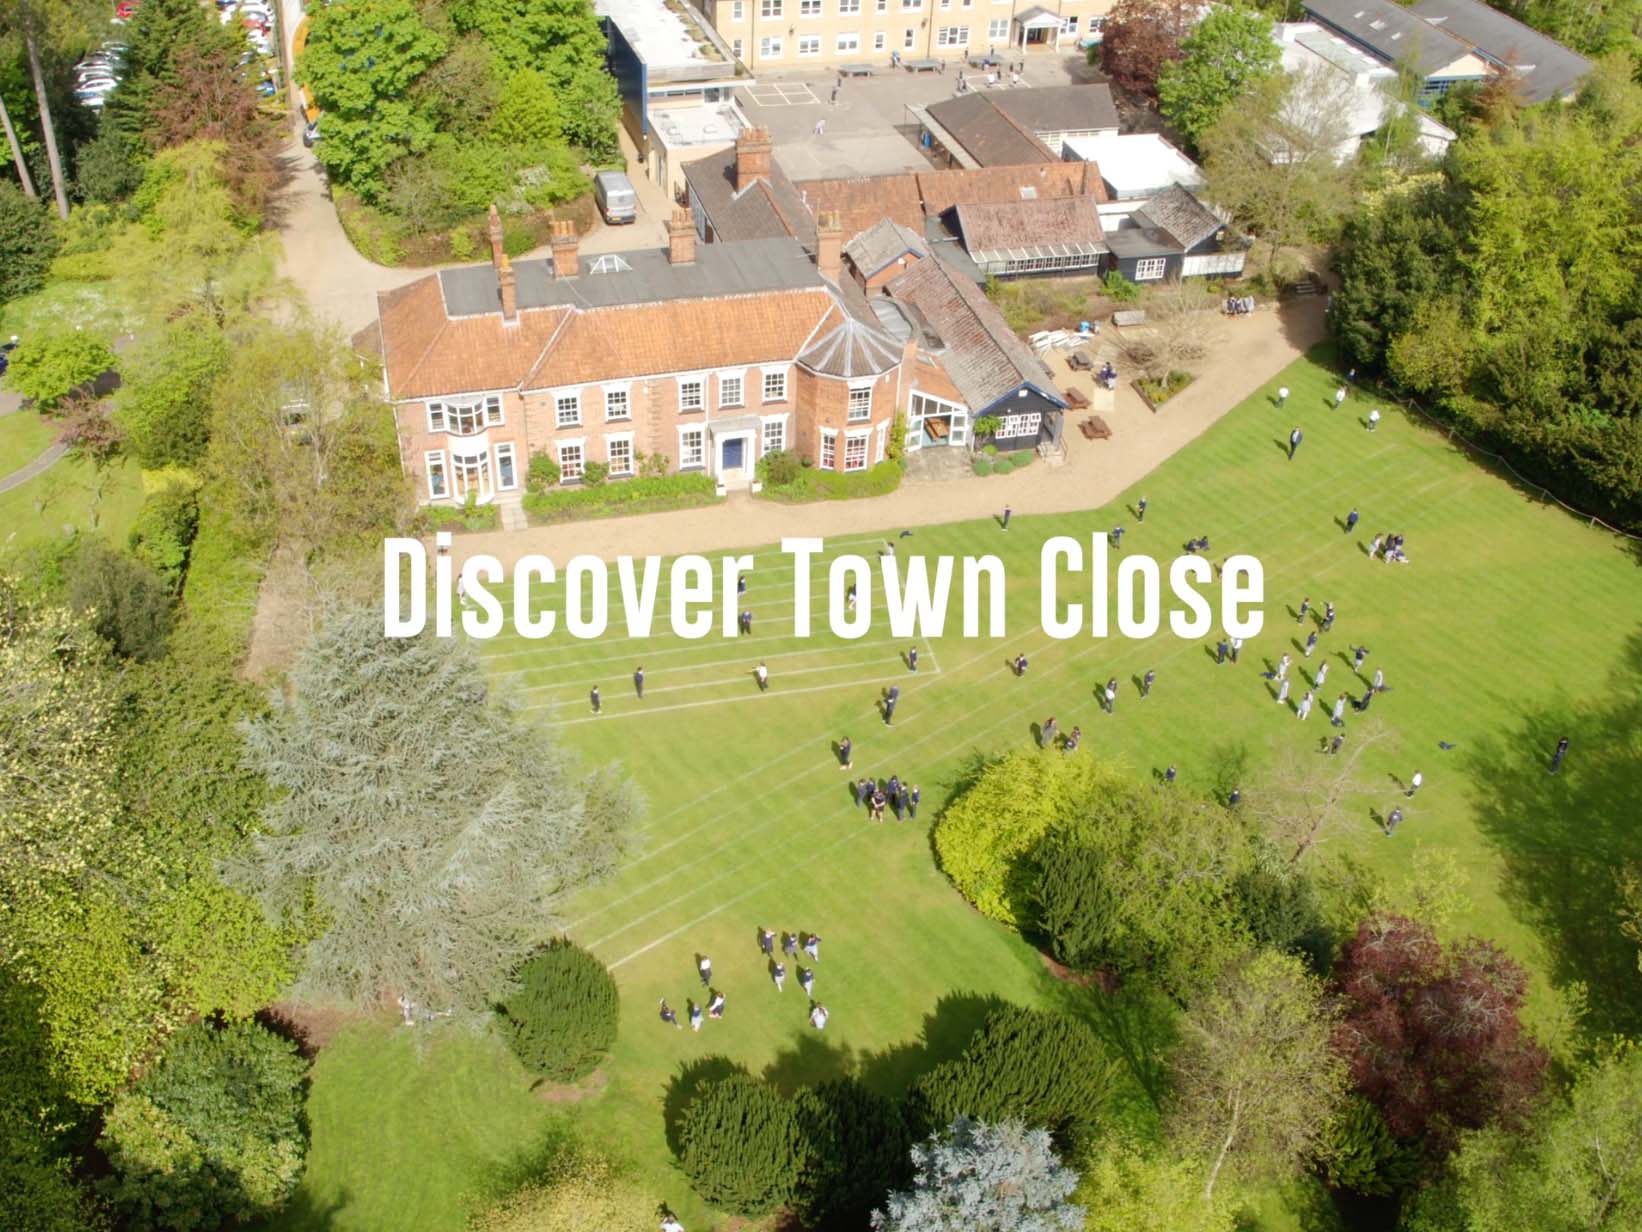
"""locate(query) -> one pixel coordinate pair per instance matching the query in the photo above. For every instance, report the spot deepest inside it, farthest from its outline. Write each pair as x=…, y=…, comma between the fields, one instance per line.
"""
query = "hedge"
x=742, y=1148
x=562, y=1020
x=814, y=485
x=641, y=494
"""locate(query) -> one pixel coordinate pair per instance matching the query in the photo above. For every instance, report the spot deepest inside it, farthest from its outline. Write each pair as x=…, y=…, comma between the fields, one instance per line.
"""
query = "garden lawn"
x=24, y=436
x=72, y=496
x=1513, y=621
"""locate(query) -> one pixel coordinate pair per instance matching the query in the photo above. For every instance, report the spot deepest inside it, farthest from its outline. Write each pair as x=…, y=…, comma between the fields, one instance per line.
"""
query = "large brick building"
x=710, y=355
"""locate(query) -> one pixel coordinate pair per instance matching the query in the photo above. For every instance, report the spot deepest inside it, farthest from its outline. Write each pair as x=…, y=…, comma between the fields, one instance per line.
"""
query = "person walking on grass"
x=695, y=1016
x=812, y=946
x=1111, y=696
x=1352, y=519
x=1358, y=654
x=1220, y=652
x=818, y=1017
x=789, y=943
x=912, y=659
x=893, y=696
x=1334, y=744
x=1295, y=437
x=879, y=799
x=1007, y=514
x=762, y=674
x=1374, y=419
x=593, y=697
x=1556, y=757
x=1169, y=776
x=1414, y=784
x=1282, y=396
x=806, y=981
x=1236, y=649
x=1046, y=733
x=1140, y=510
x=1322, y=675
x=766, y=942
x=715, y=1004
x=1146, y=682
x=778, y=974
x=1303, y=710
x=913, y=797
x=1282, y=672
x=668, y=1016
x=1339, y=397
x=1328, y=617
x=1282, y=692
x=1337, y=716
x=1392, y=821
x=846, y=754
x=1072, y=741
x=704, y=968
x=669, y=1222
x=638, y=681
x=1305, y=606
x=1311, y=642
x=1020, y=666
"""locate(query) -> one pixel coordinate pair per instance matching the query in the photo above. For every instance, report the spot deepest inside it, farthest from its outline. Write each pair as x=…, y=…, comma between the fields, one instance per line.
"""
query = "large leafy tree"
x=1141, y=36
x=207, y=96
x=164, y=405
x=1577, y=1169
x=163, y=38
x=1229, y=50
x=984, y=1178
x=1431, y=1034
x=1256, y=1080
x=28, y=239
x=555, y=36
x=360, y=61
x=425, y=834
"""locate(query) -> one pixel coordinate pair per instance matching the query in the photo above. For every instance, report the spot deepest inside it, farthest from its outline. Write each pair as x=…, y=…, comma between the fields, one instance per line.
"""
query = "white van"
x=617, y=200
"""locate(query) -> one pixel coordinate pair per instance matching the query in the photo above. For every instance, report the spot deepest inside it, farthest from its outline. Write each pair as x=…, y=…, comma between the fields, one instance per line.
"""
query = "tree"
x=1035, y=1066
x=1140, y=37
x=1183, y=322
x=1229, y=50
x=1124, y=1189
x=361, y=58
x=590, y=112
x=209, y=97
x=163, y=36
x=741, y=1145
x=33, y=16
x=17, y=159
x=164, y=531
x=1578, y=1168
x=561, y=1021
x=1431, y=1035
x=984, y=1178
x=1630, y=906
x=164, y=405
x=1363, y=1156
x=212, y=1135
x=127, y=604
x=108, y=168
x=47, y=367
x=1304, y=801
x=386, y=744
x=856, y=1146
x=577, y=1192
x=556, y=36
x=1256, y=1080
x=28, y=239
x=1273, y=161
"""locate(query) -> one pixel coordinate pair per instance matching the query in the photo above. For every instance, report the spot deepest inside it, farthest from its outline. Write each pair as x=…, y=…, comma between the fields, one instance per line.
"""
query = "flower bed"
x=814, y=485
x=1156, y=393
x=644, y=494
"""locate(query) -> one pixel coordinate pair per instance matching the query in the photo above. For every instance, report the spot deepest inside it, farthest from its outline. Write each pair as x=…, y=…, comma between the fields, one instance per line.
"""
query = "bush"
x=816, y=484
x=579, y=1193
x=562, y=1020
x=131, y=605
x=641, y=495
x=741, y=1147
x=470, y=515
x=595, y=473
x=1362, y=1154
x=857, y=1147
x=28, y=239
x=779, y=468
x=1077, y=906
x=1119, y=289
x=47, y=367
x=986, y=425
x=108, y=168
x=542, y=473
x=1043, y=1068
x=165, y=407
x=463, y=247
x=981, y=466
x=164, y=532
x=213, y=1134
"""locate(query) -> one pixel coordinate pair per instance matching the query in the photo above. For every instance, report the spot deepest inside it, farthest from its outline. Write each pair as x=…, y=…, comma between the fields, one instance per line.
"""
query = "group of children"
x=791, y=943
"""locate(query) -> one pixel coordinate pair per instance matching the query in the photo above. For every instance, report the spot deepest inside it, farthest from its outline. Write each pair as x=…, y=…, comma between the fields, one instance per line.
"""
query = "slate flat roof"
x=1392, y=32
x=731, y=268
x=1547, y=68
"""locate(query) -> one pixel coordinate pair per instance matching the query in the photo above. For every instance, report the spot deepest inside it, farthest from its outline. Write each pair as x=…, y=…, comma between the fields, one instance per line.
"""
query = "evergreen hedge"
x=857, y=1148
x=641, y=494
x=742, y=1148
x=561, y=1021
x=814, y=484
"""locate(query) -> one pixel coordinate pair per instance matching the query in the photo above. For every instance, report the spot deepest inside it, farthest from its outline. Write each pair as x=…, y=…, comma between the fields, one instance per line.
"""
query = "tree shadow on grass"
x=1564, y=837
x=811, y=1060
x=684, y=1086
x=947, y=1030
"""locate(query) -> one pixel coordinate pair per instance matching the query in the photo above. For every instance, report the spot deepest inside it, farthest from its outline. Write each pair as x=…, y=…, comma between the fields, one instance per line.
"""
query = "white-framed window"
x=438, y=477
x=855, y=451
x=849, y=42
x=878, y=41
x=848, y=8
x=1150, y=269
x=883, y=6
x=829, y=449
x=732, y=390
x=692, y=394
x=809, y=8
x=1013, y=426
x=908, y=38
x=567, y=409
x=1069, y=26
x=946, y=4
x=911, y=4
x=618, y=451
x=735, y=48
x=883, y=442
x=769, y=8
x=809, y=44
x=507, y=471
x=1097, y=23
x=860, y=404
x=952, y=36
x=570, y=460
x=465, y=418
x=769, y=48
x=736, y=12
x=617, y=403
x=997, y=29
x=775, y=385
x=692, y=448
x=775, y=433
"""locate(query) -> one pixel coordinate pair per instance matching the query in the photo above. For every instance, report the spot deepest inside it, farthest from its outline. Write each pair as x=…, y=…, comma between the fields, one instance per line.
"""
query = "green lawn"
x=71, y=496
x=24, y=436
x=1513, y=623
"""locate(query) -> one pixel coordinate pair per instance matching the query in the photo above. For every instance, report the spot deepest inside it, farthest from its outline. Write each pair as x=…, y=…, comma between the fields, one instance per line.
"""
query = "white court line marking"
x=498, y=677
x=745, y=677
x=721, y=701
x=1011, y=717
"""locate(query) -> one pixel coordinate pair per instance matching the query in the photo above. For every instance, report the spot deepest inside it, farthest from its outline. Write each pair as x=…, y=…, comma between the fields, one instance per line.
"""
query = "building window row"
x=952, y=36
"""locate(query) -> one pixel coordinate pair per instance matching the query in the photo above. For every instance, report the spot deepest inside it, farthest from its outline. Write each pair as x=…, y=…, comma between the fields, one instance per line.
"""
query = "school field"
x=1514, y=624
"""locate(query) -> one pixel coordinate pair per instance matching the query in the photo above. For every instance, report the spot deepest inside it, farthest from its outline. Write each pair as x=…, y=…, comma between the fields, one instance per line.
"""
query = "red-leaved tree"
x=213, y=99
x=1431, y=1035
x=1141, y=36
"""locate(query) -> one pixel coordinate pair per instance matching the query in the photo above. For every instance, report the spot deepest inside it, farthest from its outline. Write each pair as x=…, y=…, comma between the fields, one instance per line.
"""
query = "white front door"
x=473, y=475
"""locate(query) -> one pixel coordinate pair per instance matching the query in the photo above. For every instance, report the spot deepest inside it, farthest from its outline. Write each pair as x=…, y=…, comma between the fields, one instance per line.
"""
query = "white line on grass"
x=717, y=701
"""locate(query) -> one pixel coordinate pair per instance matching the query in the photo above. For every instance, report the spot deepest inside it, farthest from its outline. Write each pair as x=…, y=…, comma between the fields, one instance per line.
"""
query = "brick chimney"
x=510, y=294
x=752, y=156
x=829, y=245
x=565, y=246
x=681, y=236
x=497, y=256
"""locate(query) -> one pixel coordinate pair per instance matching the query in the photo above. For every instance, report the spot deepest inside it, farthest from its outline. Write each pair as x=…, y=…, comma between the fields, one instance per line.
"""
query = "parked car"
x=266, y=88
x=127, y=9
x=618, y=202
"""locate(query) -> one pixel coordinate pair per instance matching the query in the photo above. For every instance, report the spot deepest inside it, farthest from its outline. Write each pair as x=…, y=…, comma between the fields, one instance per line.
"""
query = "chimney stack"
x=565, y=245
x=752, y=156
x=510, y=294
x=681, y=236
x=497, y=256
x=829, y=245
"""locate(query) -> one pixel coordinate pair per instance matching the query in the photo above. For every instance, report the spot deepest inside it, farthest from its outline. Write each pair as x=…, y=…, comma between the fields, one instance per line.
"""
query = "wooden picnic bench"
x=857, y=69
x=1095, y=428
x=1077, y=400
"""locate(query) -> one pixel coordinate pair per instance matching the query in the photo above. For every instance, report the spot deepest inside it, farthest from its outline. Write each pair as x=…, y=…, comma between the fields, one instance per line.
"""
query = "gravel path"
x=43, y=463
